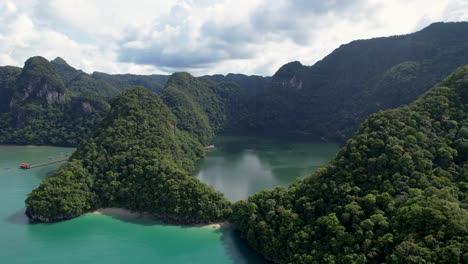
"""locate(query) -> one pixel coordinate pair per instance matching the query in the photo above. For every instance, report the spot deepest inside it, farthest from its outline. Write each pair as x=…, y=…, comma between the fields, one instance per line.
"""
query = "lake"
x=250, y=165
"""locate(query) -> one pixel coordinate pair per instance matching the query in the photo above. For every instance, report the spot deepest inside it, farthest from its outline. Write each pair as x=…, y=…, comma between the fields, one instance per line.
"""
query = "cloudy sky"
x=203, y=36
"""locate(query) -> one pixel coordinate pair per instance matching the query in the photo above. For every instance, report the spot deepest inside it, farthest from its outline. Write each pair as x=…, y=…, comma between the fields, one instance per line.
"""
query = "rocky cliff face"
x=330, y=98
x=290, y=76
x=38, y=82
x=38, y=106
x=41, y=89
x=35, y=217
x=87, y=106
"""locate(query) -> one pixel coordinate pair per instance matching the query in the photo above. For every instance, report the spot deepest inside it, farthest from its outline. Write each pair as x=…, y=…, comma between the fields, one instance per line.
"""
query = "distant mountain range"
x=331, y=98
x=54, y=103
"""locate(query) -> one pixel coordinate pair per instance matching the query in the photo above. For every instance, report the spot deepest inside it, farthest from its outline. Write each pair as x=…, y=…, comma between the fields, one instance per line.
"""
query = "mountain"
x=52, y=103
x=152, y=82
x=102, y=84
x=38, y=81
x=38, y=109
x=136, y=159
x=223, y=103
x=8, y=76
x=191, y=116
x=82, y=83
x=251, y=85
x=397, y=192
x=331, y=98
x=326, y=101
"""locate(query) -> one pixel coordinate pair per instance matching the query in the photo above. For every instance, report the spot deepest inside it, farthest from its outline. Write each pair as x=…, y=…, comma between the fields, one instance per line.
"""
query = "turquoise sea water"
x=112, y=239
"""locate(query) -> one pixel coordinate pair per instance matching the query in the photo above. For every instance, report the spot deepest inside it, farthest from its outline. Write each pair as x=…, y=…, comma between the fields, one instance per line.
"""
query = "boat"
x=210, y=148
x=25, y=166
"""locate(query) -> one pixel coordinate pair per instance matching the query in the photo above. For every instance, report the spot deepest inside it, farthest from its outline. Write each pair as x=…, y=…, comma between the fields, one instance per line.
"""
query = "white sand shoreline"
x=128, y=213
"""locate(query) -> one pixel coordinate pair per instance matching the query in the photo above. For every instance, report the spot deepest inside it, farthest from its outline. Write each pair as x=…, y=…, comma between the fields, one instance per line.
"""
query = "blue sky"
x=203, y=36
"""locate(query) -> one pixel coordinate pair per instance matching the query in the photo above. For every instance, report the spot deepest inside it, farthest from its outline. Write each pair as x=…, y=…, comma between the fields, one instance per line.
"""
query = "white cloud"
x=203, y=36
x=26, y=31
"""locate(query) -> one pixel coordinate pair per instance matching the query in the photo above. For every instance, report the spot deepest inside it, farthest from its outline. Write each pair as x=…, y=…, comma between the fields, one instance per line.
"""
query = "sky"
x=253, y=37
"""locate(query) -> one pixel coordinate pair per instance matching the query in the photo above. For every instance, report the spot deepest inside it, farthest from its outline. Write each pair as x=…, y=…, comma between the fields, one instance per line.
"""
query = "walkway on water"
x=47, y=163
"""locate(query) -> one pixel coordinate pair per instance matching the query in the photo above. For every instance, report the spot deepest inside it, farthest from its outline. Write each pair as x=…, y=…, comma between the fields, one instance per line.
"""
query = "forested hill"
x=103, y=84
x=52, y=103
x=204, y=107
x=331, y=98
x=396, y=193
x=251, y=85
x=326, y=101
x=136, y=158
x=37, y=107
x=8, y=76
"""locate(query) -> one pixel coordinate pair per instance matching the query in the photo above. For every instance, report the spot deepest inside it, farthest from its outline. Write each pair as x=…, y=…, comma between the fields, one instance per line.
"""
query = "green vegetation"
x=81, y=83
x=66, y=194
x=38, y=75
x=52, y=103
x=326, y=101
x=331, y=98
x=8, y=76
x=190, y=116
x=396, y=193
x=250, y=85
x=136, y=159
x=204, y=107
x=41, y=110
x=62, y=125
x=102, y=84
x=201, y=91
x=152, y=82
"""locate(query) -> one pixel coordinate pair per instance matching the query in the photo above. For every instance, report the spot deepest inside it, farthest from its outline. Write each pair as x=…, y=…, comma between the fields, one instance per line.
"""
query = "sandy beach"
x=128, y=213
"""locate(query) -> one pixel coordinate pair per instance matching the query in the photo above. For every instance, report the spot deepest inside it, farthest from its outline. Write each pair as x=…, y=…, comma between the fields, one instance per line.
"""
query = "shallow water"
x=97, y=238
x=239, y=167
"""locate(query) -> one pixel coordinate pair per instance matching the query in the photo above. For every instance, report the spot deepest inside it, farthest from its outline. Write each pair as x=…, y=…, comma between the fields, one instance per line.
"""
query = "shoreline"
x=115, y=211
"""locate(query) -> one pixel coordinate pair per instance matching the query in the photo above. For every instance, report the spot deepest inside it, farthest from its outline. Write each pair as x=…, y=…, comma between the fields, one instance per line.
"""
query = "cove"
x=97, y=238
x=239, y=167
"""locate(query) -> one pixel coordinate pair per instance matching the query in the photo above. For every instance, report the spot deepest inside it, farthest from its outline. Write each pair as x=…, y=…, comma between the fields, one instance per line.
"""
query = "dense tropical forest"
x=331, y=98
x=326, y=101
x=38, y=109
x=136, y=158
x=396, y=193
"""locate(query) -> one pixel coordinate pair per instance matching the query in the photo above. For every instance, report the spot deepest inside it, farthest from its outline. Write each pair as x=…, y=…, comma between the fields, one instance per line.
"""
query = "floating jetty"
x=29, y=166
